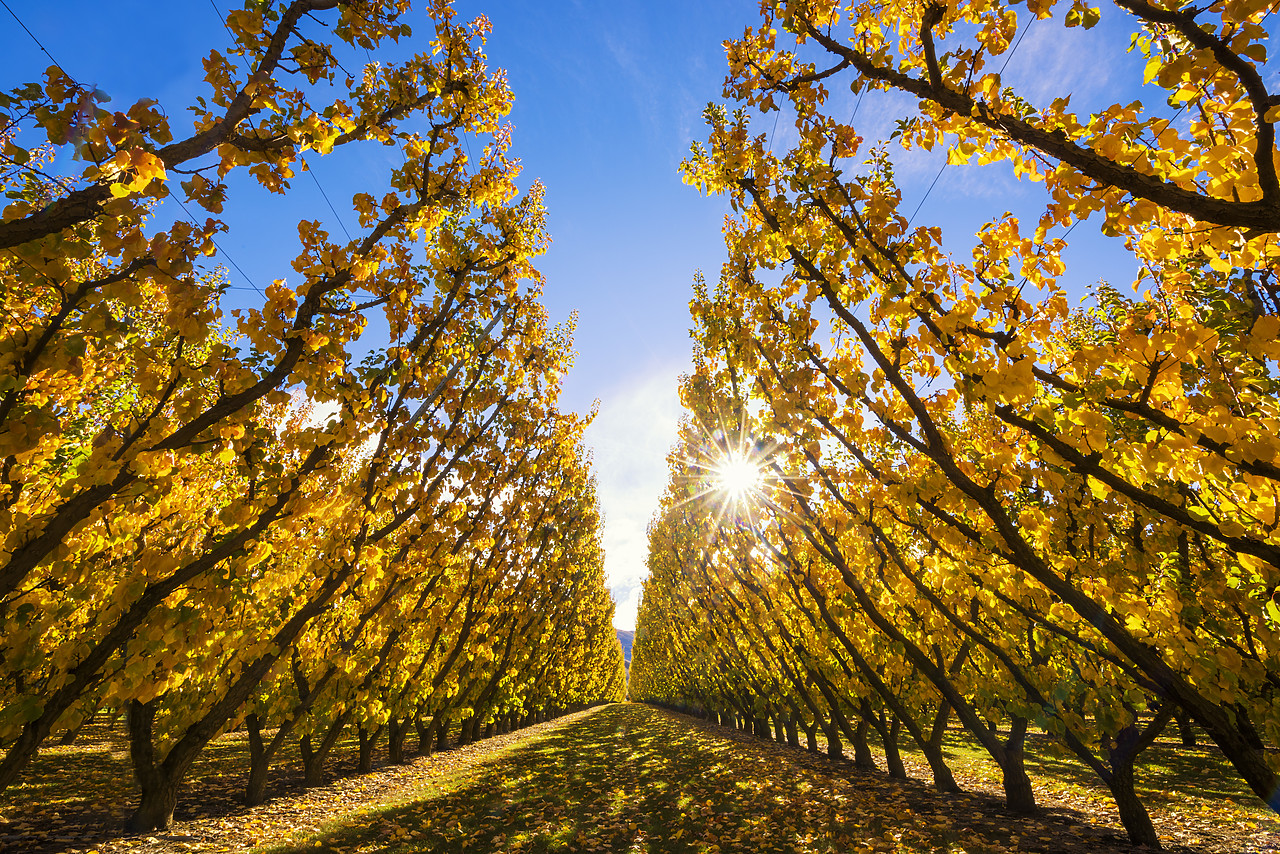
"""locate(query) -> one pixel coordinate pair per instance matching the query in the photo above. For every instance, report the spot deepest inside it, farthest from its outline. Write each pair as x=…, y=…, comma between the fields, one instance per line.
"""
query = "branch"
x=1261, y=215
x=86, y=203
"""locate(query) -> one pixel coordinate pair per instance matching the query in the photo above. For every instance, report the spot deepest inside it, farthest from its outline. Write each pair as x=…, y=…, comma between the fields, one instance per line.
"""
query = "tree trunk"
x=1122, y=753
x=397, y=728
x=1187, y=730
x=834, y=750
x=892, y=756
x=255, y=791
x=779, y=731
x=70, y=736
x=155, y=809
x=1133, y=813
x=943, y=779
x=488, y=730
x=367, y=742
x=426, y=744
x=312, y=764
x=313, y=759
x=939, y=724
x=793, y=738
x=467, y=733
x=810, y=736
x=442, y=732
x=1017, y=785
x=862, y=757
x=159, y=788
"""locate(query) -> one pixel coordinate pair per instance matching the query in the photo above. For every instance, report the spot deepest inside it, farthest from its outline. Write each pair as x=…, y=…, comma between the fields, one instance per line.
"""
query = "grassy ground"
x=632, y=778
x=624, y=778
x=75, y=798
x=1193, y=794
x=85, y=791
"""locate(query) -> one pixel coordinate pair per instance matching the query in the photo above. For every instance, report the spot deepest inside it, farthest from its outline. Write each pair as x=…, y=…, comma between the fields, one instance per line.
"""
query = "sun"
x=738, y=476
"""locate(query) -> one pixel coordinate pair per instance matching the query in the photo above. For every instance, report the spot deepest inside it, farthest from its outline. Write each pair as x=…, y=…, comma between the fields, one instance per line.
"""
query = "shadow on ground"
x=632, y=778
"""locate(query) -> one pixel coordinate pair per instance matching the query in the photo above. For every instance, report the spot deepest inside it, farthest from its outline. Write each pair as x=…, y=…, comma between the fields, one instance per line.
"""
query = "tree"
x=188, y=513
x=1053, y=491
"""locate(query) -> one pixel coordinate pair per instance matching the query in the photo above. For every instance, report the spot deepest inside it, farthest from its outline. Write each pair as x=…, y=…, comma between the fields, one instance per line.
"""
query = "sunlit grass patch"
x=630, y=778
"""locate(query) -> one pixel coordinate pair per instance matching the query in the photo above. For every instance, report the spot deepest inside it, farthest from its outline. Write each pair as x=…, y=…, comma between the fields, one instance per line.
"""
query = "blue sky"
x=608, y=97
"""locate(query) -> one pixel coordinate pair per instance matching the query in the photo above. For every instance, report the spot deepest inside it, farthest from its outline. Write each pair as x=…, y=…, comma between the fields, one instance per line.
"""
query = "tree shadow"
x=633, y=778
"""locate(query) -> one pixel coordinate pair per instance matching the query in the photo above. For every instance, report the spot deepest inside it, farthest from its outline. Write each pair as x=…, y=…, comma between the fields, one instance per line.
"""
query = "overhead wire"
x=312, y=172
x=46, y=52
x=942, y=168
x=39, y=44
x=222, y=251
x=309, y=169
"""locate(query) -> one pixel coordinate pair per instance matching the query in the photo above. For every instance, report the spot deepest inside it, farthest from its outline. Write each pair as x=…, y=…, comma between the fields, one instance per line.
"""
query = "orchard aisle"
x=628, y=777
x=623, y=778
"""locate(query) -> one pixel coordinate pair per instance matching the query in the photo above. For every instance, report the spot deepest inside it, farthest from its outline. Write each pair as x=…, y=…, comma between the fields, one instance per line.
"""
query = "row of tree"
x=355, y=504
x=971, y=502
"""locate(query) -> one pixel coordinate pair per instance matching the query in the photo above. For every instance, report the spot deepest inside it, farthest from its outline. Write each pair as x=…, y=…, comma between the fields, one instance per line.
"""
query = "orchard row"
x=916, y=486
x=353, y=504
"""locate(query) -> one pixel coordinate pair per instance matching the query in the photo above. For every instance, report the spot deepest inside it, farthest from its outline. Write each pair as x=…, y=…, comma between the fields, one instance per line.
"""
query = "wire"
x=1022, y=35
x=222, y=20
x=1008, y=57
x=926, y=194
x=221, y=251
x=312, y=173
x=37, y=41
x=857, y=105
x=309, y=169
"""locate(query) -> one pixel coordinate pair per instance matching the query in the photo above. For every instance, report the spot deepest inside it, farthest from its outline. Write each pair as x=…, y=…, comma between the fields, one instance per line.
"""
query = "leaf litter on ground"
x=634, y=778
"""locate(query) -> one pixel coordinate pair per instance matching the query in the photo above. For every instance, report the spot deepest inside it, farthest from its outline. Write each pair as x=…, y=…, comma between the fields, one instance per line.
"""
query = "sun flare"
x=739, y=476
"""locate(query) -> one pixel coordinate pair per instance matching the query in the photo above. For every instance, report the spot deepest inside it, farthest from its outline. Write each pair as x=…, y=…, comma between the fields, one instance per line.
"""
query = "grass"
x=626, y=778
x=1192, y=793
x=629, y=778
x=93, y=776
x=632, y=778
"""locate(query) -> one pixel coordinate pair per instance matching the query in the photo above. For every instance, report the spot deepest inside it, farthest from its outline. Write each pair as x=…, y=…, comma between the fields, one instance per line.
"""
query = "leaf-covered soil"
x=1196, y=800
x=633, y=778
x=1193, y=795
x=76, y=798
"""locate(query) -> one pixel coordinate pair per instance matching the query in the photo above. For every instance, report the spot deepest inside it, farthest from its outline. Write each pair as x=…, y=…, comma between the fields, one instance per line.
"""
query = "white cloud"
x=627, y=603
x=630, y=437
x=1054, y=60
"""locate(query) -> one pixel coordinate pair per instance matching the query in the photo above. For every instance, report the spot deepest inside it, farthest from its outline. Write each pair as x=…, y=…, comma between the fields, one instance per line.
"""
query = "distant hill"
x=626, y=638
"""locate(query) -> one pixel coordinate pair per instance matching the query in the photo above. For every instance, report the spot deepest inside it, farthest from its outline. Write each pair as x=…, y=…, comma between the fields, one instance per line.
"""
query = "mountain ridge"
x=625, y=637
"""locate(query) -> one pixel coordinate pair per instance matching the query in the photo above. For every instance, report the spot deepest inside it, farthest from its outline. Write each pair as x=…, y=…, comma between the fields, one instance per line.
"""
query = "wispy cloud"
x=1053, y=60
x=630, y=438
